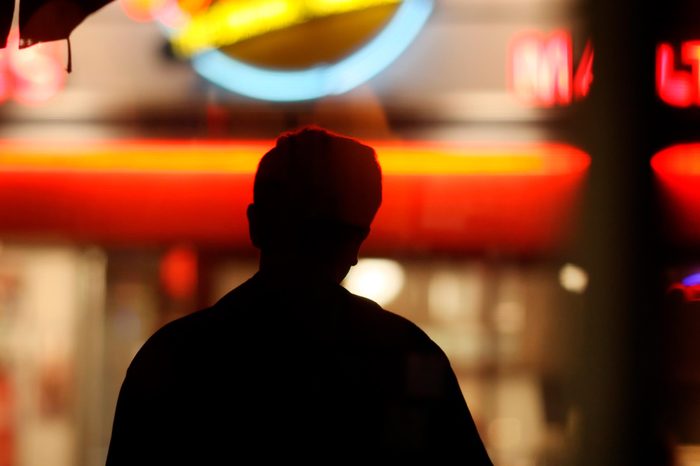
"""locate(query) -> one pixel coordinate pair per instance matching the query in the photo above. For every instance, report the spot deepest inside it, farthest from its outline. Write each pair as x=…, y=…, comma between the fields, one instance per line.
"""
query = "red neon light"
x=677, y=170
x=678, y=80
x=5, y=80
x=584, y=73
x=437, y=197
x=675, y=87
x=178, y=272
x=541, y=69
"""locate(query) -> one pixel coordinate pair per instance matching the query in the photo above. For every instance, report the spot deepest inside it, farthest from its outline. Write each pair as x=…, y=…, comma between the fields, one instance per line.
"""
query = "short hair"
x=315, y=174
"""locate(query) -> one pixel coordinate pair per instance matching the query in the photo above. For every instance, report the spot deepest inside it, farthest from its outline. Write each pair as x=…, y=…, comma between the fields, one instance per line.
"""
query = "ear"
x=253, y=225
x=361, y=238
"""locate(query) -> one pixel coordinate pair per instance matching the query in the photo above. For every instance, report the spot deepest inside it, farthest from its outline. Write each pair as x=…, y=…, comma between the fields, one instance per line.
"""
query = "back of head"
x=314, y=199
x=316, y=175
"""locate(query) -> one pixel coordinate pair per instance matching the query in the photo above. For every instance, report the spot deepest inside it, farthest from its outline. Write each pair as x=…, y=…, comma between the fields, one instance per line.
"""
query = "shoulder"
x=368, y=309
x=183, y=337
x=171, y=343
x=425, y=365
x=183, y=328
x=192, y=331
x=378, y=322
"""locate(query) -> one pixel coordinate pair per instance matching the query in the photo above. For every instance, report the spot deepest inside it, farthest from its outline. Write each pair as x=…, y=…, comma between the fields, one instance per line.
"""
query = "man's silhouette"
x=290, y=365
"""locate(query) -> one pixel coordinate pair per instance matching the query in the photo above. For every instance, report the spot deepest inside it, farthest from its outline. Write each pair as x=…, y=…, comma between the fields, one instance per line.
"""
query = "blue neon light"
x=691, y=280
x=313, y=83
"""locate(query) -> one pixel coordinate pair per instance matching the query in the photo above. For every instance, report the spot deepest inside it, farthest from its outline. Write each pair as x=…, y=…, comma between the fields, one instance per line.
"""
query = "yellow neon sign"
x=229, y=22
x=242, y=158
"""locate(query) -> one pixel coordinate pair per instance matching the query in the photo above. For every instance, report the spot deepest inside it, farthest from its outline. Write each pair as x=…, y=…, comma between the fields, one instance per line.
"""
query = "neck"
x=290, y=274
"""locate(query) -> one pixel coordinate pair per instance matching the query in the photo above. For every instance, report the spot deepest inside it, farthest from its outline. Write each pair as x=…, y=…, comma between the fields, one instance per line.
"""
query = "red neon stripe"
x=677, y=169
x=462, y=199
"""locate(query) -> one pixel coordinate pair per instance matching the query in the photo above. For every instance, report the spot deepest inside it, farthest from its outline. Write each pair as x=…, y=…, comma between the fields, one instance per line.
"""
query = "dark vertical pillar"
x=618, y=364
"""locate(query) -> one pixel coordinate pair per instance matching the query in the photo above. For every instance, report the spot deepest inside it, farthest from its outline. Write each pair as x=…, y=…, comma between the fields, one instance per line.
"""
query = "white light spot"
x=573, y=278
x=380, y=280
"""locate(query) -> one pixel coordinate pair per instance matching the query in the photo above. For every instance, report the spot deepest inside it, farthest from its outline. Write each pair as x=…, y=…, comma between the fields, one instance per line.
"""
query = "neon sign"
x=31, y=75
x=227, y=23
x=541, y=71
x=172, y=13
x=677, y=171
x=678, y=87
x=262, y=82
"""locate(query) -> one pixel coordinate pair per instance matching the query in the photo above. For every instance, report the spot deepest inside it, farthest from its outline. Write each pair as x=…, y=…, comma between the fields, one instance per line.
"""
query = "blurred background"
x=541, y=219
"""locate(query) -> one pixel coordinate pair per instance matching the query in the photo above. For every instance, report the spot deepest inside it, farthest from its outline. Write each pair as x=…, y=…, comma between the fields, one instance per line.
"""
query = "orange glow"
x=194, y=6
x=415, y=158
x=172, y=13
x=677, y=161
x=480, y=159
x=437, y=196
x=134, y=156
x=142, y=10
x=677, y=169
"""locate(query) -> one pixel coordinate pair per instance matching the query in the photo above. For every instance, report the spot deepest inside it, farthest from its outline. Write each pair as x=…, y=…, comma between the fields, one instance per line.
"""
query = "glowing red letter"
x=584, y=73
x=675, y=87
x=541, y=69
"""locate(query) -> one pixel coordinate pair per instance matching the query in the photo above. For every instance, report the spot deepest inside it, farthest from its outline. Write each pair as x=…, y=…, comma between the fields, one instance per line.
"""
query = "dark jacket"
x=323, y=377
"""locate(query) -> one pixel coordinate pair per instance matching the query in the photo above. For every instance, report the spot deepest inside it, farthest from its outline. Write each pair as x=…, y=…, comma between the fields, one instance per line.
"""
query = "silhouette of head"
x=314, y=198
